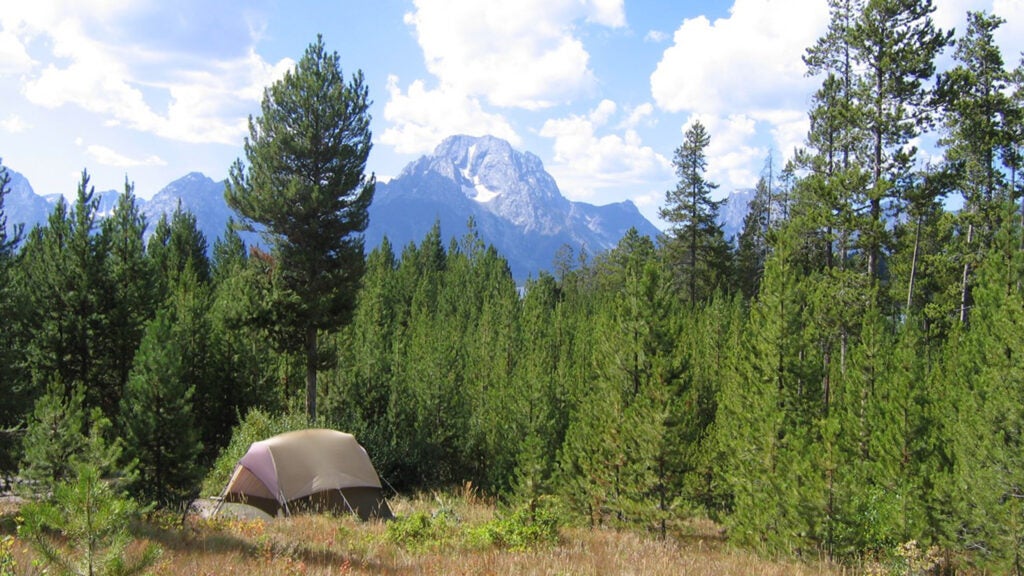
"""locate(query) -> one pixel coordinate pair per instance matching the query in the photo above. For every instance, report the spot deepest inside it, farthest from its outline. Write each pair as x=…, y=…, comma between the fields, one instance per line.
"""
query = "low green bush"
x=526, y=528
x=421, y=530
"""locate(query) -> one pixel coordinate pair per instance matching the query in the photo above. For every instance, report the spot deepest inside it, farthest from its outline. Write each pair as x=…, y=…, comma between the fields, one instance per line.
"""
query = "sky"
x=146, y=91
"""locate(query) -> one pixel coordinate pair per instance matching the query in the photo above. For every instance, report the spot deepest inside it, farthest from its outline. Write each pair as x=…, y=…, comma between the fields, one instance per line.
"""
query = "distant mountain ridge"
x=514, y=202
x=515, y=205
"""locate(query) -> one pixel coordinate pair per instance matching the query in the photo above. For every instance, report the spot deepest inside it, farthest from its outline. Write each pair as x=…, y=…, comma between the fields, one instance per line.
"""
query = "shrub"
x=421, y=530
x=528, y=527
x=84, y=529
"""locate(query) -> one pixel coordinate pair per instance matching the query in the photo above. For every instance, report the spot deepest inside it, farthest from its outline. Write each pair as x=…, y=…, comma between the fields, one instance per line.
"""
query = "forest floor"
x=434, y=535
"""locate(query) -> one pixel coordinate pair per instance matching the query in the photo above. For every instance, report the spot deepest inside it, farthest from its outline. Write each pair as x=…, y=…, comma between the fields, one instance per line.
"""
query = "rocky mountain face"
x=732, y=212
x=512, y=201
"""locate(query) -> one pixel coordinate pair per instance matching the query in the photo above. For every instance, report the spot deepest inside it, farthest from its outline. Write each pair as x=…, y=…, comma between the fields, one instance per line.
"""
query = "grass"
x=433, y=535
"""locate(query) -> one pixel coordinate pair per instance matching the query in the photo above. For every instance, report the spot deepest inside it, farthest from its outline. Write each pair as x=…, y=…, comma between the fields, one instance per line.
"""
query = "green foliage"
x=161, y=432
x=526, y=528
x=84, y=529
x=8, y=566
x=421, y=531
x=699, y=253
x=11, y=377
x=305, y=186
x=55, y=435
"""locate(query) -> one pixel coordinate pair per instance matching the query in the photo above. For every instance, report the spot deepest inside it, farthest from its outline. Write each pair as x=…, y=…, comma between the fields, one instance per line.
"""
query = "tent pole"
x=389, y=484
x=223, y=492
x=345, y=500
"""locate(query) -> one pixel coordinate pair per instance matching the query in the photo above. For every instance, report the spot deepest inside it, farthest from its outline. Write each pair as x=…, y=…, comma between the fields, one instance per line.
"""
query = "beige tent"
x=308, y=470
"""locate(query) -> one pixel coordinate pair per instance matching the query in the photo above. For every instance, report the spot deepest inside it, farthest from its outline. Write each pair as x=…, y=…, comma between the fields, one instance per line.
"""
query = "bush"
x=420, y=530
x=527, y=528
x=84, y=529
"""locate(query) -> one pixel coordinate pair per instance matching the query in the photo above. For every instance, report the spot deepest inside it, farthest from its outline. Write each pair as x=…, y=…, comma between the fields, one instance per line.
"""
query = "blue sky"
x=600, y=90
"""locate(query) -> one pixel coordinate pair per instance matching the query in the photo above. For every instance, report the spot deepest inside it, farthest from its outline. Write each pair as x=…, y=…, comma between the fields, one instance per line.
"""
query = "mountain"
x=23, y=206
x=733, y=211
x=515, y=205
x=195, y=193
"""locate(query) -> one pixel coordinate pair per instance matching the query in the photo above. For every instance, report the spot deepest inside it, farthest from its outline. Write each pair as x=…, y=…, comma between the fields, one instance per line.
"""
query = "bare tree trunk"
x=311, y=362
x=913, y=264
x=967, y=273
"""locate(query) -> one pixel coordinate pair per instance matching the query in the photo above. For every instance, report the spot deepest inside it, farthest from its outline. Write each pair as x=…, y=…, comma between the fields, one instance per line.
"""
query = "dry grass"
x=323, y=545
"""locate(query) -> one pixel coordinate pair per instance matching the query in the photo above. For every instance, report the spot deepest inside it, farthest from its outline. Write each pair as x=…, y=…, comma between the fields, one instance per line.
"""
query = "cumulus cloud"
x=587, y=161
x=14, y=59
x=421, y=118
x=747, y=61
x=733, y=162
x=521, y=54
x=109, y=157
x=743, y=76
x=205, y=101
x=13, y=124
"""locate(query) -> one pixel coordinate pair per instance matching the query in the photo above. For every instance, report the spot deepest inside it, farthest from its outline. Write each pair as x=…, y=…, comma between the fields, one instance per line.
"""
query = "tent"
x=308, y=470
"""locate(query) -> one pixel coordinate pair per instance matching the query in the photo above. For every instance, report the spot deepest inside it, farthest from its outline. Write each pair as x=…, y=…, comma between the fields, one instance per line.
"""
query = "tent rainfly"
x=308, y=470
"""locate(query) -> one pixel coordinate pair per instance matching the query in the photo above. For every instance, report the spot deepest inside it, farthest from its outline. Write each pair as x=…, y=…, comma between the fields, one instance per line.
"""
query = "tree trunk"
x=967, y=273
x=311, y=361
x=913, y=264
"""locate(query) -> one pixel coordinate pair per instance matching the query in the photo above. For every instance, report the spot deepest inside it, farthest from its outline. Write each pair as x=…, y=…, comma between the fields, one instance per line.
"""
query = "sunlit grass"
x=326, y=545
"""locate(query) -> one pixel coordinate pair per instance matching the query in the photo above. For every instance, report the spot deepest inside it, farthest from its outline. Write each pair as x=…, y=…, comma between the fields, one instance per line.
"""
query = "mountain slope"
x=514, y=203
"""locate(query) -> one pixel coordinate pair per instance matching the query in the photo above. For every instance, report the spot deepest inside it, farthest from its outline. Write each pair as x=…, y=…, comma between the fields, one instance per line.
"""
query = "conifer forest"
x=843, y=378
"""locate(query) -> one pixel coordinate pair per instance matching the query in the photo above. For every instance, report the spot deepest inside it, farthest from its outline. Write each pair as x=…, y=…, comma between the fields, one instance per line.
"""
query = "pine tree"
x=752, y=246
x=895, y=43
x=12, y=387
x=763, y=427
x=161, y=432
x=55, y=434
x=978, y=109
x=83, y=530
x=131, y=277
x=305, y=185
x=63, y=278
x=989, y=466
x=698, y=248
x=229, y=254
x=177, y=244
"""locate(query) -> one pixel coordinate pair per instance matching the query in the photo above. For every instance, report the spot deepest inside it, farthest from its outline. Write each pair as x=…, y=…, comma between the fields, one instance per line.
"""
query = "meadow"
x=433, y=534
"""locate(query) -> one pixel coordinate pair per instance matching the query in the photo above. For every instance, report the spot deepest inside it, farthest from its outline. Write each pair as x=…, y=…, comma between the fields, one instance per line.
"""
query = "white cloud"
x=14, y=59
x=14, y=124
x=638, y=115
x=586, y=162
x=733, y=162
x=749, y=61
x=743, y=76
x=109, y=157
x=420, y=118
x=655, y=36
x=522, y=54
x=1011, y=35
x=205, y=100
